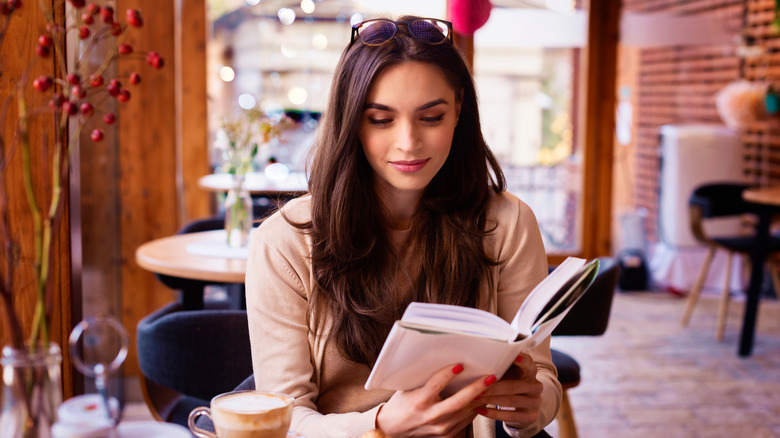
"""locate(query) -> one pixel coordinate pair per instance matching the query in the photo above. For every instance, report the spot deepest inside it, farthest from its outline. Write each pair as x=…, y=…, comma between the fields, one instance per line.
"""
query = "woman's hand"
x=422, y=412
x=519, y=391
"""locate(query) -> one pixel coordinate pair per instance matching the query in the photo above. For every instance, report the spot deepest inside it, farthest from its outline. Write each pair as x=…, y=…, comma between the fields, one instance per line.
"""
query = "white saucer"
x=152, y=429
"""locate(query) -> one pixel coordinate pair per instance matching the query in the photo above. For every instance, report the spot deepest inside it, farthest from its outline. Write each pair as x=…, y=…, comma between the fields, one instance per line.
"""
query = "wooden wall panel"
x=18, y=64
x=148, y=198
x=192, y=108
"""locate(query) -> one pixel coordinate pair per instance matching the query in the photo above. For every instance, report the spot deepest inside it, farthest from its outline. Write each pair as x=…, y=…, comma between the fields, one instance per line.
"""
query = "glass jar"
x=31, y=391
x=238, y=213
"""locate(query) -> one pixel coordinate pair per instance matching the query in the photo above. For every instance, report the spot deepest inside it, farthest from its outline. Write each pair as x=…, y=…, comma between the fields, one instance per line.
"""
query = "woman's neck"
x=400, y=206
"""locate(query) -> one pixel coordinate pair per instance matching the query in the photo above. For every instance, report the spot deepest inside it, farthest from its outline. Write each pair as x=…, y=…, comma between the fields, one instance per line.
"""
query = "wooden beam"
x=600, y=71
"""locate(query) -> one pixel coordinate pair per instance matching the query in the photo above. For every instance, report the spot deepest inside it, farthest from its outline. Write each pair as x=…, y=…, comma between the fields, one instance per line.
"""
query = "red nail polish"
x=519, y=359
x=457, y=369
x=480, y=411
x=489, y=380
x=477, y=398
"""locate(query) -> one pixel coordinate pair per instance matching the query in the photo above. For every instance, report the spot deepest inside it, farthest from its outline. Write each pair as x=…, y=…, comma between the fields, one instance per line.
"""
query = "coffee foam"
x=250, y=402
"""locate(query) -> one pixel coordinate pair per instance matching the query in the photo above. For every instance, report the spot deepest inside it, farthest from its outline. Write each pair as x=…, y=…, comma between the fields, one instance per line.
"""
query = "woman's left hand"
x=518, y=393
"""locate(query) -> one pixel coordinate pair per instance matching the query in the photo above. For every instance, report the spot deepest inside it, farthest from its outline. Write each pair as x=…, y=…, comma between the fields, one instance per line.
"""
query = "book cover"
x=431, y=336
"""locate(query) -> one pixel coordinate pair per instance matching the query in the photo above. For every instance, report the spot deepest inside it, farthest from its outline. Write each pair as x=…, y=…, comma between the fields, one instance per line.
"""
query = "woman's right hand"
x=422, y=412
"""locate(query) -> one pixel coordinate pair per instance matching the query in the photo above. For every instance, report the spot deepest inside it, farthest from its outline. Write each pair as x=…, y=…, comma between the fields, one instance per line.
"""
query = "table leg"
x=757, y=259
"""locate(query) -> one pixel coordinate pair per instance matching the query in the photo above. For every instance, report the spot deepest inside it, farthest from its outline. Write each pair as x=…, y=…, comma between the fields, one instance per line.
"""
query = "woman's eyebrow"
x=424, y=106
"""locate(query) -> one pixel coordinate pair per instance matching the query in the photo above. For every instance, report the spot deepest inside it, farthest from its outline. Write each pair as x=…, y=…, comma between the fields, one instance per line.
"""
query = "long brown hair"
x=351, y=254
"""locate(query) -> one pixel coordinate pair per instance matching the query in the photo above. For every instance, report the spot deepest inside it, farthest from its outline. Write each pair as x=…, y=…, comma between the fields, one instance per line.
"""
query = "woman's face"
x=408, y=122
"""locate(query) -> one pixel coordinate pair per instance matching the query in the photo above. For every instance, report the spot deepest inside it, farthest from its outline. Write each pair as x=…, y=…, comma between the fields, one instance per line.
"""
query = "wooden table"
x=174, y=256
x=295, y=184
x=767, y=203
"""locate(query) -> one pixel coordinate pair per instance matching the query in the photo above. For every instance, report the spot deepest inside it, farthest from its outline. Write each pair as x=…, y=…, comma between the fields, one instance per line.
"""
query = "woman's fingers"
x=436, y=384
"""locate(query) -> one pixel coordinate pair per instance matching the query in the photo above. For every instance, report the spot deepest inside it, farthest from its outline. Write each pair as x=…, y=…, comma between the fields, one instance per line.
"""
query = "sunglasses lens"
x=376, y=32
x=430, y=31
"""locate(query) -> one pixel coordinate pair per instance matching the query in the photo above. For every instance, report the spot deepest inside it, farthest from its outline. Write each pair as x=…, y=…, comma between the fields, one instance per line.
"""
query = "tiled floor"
x=650, y=377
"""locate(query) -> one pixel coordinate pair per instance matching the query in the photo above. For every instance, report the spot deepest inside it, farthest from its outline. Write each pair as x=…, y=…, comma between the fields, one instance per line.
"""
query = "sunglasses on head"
x=379, y=31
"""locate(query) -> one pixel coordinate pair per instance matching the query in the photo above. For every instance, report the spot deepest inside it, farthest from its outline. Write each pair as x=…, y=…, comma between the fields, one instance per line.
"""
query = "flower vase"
x=238, y=213
x=31, y=391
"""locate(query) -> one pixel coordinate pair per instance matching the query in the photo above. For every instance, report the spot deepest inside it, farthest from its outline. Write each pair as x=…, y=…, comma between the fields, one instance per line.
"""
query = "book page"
x=543, y=293
x=458, y=319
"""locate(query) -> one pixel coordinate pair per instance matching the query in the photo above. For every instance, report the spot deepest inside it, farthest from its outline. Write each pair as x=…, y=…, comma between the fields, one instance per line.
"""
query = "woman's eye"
x=434, y=119
x=379, y=122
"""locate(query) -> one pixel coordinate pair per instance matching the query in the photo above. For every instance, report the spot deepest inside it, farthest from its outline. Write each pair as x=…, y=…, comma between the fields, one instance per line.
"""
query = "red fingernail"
x=477, y=398
x=457, y=369
x=489, y=380
x=519, y=359
x=480, y=411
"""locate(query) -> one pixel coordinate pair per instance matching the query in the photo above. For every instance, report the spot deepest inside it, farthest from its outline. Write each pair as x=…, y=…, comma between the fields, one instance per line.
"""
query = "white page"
x=459, y=319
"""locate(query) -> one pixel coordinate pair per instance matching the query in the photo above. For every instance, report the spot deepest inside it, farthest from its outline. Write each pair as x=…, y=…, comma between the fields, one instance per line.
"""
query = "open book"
x=431, y=336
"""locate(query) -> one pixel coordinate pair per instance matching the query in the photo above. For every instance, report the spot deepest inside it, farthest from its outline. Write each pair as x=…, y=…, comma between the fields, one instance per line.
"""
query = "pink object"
x=741, y=103
x=469, y=15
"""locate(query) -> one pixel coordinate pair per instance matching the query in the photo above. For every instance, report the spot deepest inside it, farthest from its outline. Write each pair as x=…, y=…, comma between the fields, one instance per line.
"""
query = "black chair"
x=188, y=357
x=720, y=200
x=589, y=317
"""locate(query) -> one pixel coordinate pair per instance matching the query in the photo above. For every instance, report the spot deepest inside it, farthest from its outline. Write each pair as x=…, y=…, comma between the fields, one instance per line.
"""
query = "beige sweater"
x=330, y=400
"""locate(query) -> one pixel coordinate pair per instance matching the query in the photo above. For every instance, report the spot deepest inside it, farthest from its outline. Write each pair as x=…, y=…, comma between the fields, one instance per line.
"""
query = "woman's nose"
x=407, y=137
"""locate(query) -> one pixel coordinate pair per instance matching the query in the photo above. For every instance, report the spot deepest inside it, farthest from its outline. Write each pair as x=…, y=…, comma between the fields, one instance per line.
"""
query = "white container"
x=692, y=155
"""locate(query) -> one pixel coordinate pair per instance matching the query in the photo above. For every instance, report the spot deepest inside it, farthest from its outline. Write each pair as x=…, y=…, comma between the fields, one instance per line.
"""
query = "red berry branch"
x=74, y=97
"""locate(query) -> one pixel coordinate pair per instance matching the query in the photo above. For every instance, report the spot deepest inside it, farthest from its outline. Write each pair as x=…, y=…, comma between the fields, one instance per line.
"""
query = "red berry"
x=87, y=18
x=93, y=8
x=78, y=3
x=125, y=49
x=95, y=80
x=109, y=118
x=70, y=107
x=155, y=60
x=135, y=78
x=113, y=89
x=116, y=29
x=73, y=78
x=78, y=92
x=45, y=40
x=42, y=51
x=124, y=95
x=55, y=103
x=14, y=4
x=134, y=18
x=84, y=32
x=87, y=109
x=107, y=12
x=96, y=135
x=42, y=83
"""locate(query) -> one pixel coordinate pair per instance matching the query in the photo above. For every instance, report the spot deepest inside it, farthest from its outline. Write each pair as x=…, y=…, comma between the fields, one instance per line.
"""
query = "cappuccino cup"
x=246, y=414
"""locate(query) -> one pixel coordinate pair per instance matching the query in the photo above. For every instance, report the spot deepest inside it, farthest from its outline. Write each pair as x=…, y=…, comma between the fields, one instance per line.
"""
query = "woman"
x=406, y=203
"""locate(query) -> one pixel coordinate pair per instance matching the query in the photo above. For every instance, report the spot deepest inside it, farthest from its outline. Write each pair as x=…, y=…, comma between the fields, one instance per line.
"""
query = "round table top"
x=257, y=183
x=197, y=256
x=764, y=195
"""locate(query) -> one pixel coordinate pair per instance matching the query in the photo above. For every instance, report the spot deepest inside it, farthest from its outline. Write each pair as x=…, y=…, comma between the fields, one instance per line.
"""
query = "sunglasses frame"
x=356, y=34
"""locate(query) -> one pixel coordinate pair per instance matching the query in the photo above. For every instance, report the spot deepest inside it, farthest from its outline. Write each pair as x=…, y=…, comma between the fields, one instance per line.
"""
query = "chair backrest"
x=715, y=200
x=590, y=316
x=198, y=353
x=719, y=199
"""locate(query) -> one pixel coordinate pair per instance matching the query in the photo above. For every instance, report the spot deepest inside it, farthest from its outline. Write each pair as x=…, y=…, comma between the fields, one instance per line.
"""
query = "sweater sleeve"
x=523, y=265
x=276, y=293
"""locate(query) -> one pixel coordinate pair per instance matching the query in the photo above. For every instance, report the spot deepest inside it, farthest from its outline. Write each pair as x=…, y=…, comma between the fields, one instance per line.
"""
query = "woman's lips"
x=409, y=166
